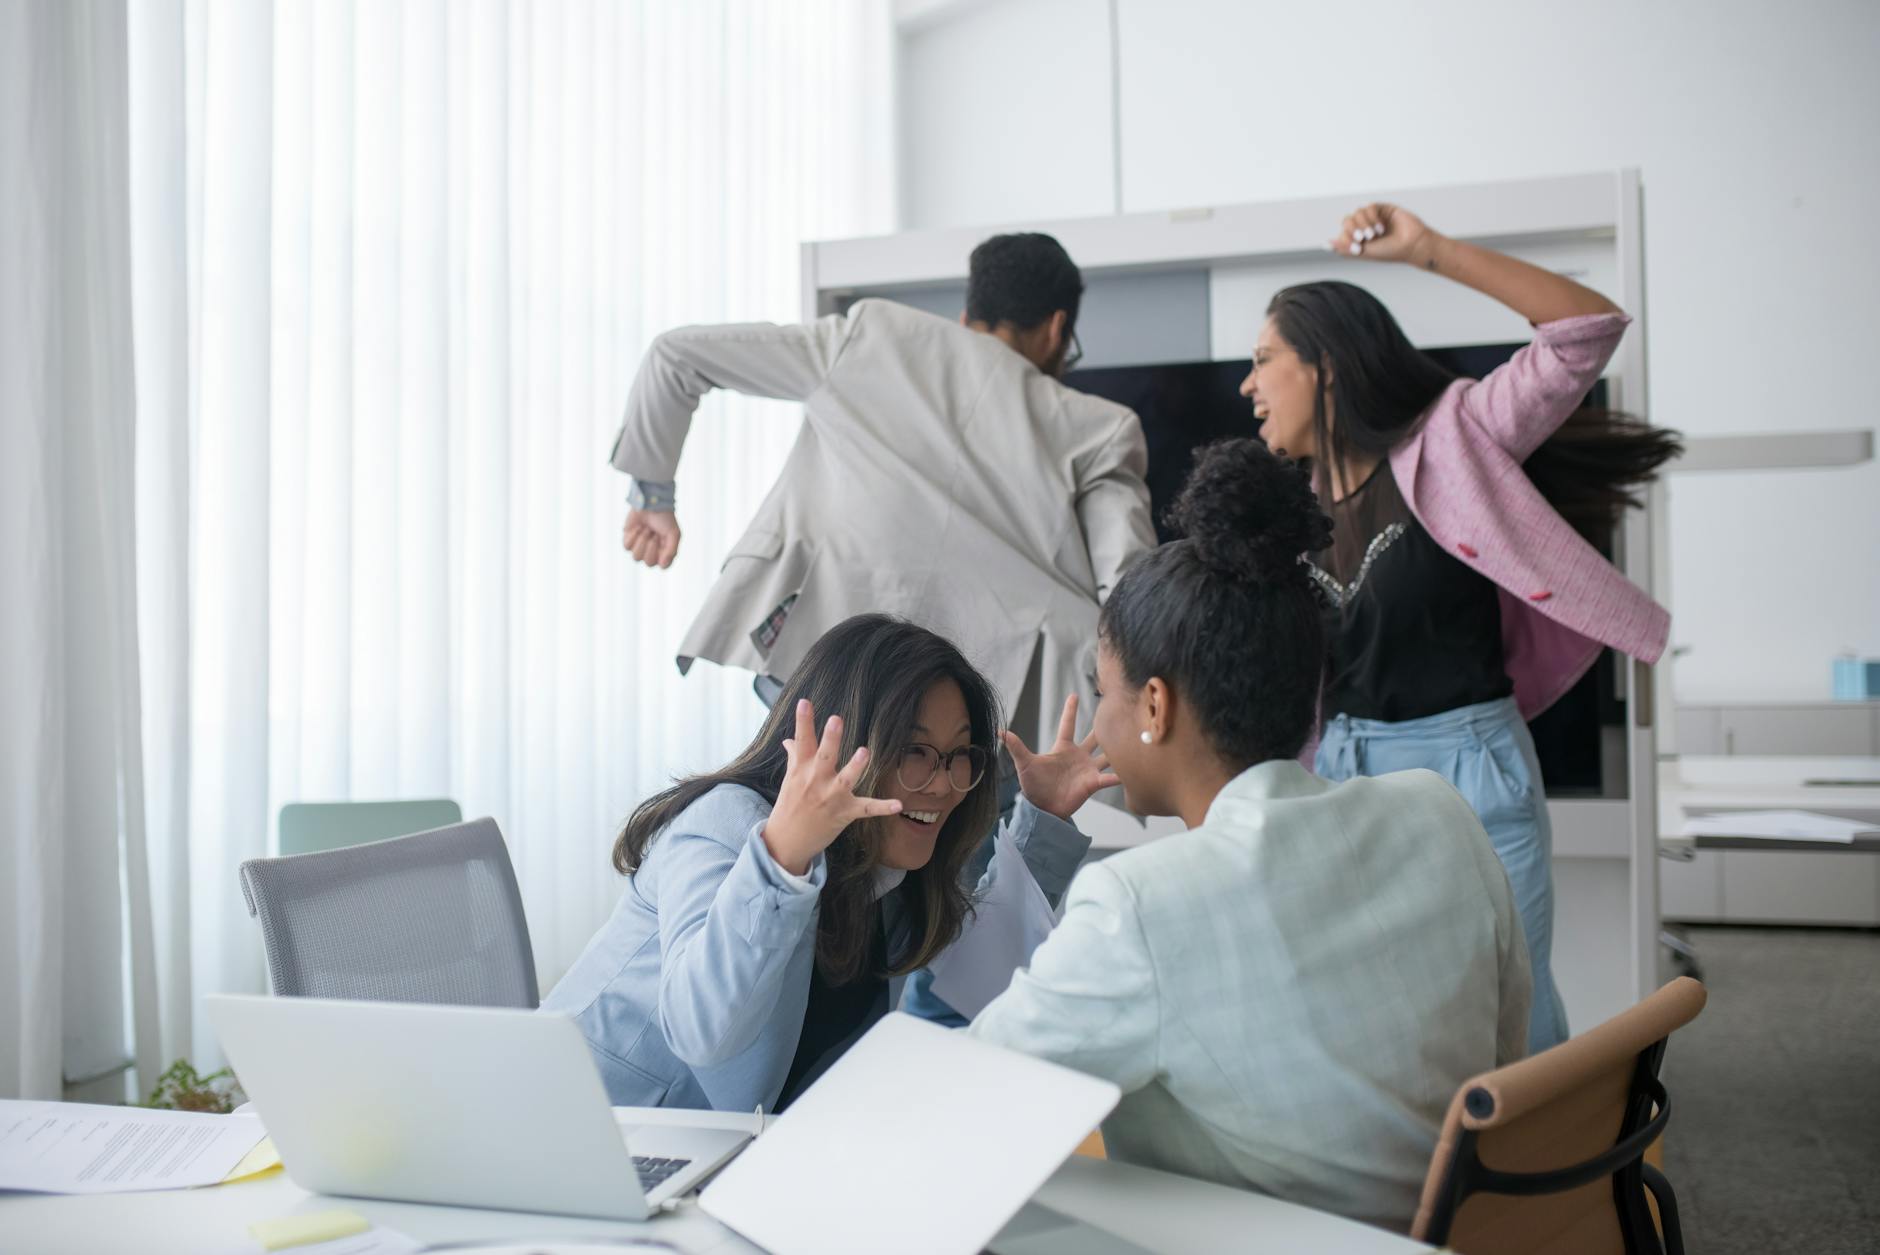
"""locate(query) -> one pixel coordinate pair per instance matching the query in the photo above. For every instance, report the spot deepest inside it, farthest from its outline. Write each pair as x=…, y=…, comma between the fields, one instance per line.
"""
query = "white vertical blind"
x=422, y=247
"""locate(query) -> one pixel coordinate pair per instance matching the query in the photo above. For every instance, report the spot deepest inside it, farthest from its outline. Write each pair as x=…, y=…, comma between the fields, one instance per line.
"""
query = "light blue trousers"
x=1486, y=752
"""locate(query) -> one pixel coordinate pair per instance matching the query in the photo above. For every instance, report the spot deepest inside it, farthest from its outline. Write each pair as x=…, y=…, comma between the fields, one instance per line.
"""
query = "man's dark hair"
x=1022, y=279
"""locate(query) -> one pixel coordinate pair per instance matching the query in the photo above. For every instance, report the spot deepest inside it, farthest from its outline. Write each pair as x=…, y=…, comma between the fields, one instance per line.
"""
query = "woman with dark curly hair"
x=1291, y=991
x=1466, y=595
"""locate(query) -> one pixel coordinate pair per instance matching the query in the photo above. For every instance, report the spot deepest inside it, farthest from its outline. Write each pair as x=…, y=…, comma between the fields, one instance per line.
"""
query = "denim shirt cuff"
x=1052, y=848
x=646, y=494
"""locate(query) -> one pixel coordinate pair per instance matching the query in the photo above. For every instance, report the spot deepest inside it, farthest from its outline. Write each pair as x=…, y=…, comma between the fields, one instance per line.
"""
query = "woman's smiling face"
x=943, y=724
x=1283, y=390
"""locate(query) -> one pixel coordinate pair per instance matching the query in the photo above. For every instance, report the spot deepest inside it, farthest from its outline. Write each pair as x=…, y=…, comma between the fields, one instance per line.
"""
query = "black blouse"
x=1413, y=630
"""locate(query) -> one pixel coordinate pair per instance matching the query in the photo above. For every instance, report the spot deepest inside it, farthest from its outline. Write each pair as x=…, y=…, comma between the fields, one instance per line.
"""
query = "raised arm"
x=1524, y=400
x=729, y=920
x=1381, y=232
x=785, y=363
x=734, y=907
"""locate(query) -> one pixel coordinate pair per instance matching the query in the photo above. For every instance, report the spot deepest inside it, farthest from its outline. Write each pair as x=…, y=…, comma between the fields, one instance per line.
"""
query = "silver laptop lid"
x=919, y=1139
x=469, y=1106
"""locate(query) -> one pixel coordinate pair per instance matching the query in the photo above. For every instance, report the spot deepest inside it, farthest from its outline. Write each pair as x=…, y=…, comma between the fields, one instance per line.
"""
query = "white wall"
x=1754, y=129
x=1006, y=107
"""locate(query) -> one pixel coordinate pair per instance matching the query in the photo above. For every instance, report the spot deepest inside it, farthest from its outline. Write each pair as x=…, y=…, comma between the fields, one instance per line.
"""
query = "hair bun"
x=1249, y=512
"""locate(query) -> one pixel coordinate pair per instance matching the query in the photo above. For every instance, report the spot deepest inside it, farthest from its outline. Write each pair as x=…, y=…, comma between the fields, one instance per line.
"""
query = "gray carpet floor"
x=1774, y=1141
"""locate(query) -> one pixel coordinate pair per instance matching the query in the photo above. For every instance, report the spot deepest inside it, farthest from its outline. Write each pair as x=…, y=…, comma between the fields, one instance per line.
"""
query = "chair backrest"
x=433, y=917
x=308, y=827
x=1543, y=1157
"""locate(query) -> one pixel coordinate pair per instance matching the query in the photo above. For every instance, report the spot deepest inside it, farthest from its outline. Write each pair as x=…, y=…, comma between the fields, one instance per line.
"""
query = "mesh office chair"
x=433, y=917
x=1546, y=1156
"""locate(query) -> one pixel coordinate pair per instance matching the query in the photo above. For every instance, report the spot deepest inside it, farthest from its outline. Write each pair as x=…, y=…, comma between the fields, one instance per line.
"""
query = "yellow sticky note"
x=315, y=1226
x=257, y=1162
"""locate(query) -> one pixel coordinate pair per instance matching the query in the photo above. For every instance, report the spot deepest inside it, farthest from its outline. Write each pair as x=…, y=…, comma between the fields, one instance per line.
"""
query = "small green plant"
x=183, y=1089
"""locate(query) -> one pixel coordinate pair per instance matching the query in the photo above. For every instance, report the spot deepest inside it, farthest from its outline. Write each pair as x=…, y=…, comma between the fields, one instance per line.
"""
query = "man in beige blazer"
x=943, y=474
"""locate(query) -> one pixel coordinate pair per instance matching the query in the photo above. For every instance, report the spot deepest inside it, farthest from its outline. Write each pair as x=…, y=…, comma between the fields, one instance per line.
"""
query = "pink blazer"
x=1460, y=473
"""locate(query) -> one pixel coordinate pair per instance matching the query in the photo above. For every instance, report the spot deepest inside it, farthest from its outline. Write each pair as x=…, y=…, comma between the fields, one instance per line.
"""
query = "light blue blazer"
x=693, y=993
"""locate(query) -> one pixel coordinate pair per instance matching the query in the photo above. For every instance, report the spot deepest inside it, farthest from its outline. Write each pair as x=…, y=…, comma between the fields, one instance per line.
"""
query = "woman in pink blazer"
x=1465, y=596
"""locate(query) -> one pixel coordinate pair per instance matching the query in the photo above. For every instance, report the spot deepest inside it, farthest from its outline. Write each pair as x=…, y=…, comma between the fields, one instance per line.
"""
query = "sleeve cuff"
x=1582, y=327
x=772, y=873
x=1053, y=848
x=646, y=494
x=776, y=913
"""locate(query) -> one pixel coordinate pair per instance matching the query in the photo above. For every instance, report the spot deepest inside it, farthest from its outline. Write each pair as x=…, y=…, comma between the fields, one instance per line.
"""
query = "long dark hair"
x=873, y=670
x=1589, y=471
x=1227, y=615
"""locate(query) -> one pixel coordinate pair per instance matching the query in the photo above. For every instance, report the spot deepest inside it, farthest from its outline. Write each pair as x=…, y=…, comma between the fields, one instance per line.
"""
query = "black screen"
x=1186, y=405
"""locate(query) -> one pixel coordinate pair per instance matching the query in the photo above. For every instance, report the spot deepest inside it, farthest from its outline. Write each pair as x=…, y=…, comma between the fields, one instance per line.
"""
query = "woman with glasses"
x=772, y=905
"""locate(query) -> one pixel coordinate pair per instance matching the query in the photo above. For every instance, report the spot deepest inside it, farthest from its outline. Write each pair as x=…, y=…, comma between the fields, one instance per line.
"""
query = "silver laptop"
x=934, y=1141
x=465, y=1106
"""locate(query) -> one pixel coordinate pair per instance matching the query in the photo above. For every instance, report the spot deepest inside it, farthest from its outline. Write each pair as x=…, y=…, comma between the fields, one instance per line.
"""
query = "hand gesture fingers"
x=851, y=775
x=829, y=746
x=1063, y=779
x=1016, y=747
x=817, y=801
x=875, y=807
x=1067, y=724
x=805, y=725
x=1360, y=227
x=1381, y=232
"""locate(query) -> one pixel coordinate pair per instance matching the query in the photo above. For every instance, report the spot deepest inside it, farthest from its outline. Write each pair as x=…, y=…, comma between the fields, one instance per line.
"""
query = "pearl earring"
x=1147, y=736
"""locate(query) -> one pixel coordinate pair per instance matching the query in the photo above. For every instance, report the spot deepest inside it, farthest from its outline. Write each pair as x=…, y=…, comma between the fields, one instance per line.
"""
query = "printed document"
x=78, y=1148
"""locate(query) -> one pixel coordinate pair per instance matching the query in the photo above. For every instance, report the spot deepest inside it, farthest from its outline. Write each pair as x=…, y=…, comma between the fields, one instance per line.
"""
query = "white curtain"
x=73, y=885
x=395, y=264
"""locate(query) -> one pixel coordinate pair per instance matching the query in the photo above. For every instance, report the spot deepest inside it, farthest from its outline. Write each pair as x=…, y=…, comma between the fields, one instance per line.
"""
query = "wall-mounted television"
x=1185, y=405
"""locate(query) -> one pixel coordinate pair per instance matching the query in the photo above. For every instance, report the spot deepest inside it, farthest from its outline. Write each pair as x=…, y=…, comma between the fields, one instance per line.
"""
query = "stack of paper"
x=78, y=1148
x=1779, y=826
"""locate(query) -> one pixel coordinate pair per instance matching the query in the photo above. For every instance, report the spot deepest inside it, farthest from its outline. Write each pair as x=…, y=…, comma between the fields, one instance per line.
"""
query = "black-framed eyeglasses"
x=920, y=763
x=1074, y=353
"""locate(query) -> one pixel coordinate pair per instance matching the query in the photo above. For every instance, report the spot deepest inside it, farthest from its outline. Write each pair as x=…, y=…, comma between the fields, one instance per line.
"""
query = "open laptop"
x=919, y=1139
x=467, y=1106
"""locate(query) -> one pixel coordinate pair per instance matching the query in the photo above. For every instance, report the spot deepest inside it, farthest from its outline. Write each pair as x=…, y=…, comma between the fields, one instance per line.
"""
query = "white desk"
x=1740, y=881
x=1156, y=1210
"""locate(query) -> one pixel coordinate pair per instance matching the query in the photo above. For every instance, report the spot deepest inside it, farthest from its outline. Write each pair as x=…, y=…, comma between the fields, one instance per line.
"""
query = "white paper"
x=1778, y=826
x=78, y=1148
x=1010, y=918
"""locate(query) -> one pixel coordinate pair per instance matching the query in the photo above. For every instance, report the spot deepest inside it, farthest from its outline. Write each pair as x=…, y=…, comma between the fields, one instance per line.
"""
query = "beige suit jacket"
x=939, y=476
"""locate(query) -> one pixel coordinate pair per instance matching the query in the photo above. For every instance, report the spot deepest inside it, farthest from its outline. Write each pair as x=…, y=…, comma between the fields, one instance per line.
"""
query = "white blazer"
x=1290, y=994
x=939, y=476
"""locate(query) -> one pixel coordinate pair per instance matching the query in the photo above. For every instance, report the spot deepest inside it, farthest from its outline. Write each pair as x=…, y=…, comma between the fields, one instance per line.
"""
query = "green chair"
x=310, y=827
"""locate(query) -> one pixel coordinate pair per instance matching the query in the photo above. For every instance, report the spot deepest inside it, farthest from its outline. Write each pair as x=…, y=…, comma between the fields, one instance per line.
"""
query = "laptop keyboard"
x=653, y=1170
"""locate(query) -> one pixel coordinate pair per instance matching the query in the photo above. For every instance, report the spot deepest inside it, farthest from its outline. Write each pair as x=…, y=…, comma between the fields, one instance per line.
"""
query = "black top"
x=1414, y=631
x=837, y=1015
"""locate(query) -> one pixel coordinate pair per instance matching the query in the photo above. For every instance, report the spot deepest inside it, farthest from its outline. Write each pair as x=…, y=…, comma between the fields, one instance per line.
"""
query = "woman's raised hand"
x=817, y=801
x=1062, y=779
x=1381, y=232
